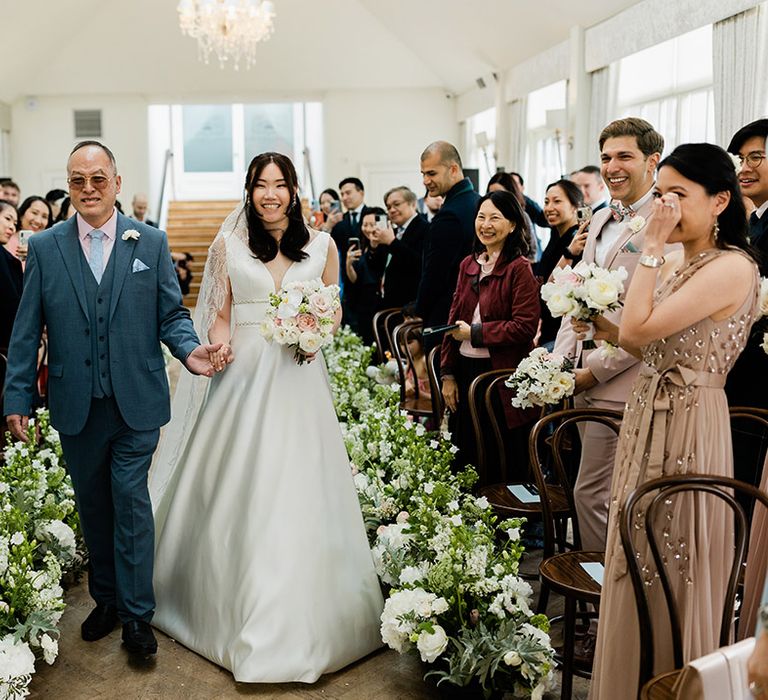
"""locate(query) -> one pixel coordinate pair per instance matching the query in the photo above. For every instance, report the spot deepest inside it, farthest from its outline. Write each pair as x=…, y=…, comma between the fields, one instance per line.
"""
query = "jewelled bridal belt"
x=249, y=312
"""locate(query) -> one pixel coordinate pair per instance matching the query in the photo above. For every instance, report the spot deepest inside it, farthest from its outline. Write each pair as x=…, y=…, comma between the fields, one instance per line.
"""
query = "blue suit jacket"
x=146, y=308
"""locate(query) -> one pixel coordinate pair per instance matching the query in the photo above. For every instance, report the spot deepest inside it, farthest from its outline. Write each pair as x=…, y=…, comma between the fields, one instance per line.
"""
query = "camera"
x=584, y=214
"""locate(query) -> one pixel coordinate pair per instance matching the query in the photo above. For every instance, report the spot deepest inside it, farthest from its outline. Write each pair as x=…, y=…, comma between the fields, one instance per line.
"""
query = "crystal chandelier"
x=231, y=29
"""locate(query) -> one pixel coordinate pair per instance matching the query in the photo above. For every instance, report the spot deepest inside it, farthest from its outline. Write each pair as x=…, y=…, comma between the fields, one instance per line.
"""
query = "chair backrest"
x=435, y=387
x=553, y=430
x=402, y=355
x=719, y=487
x=486, y=413
x=380, y=334
x=391, y=321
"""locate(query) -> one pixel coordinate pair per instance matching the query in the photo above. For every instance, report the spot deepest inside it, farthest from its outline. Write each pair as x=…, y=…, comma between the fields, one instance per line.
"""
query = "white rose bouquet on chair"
x=541, y=379
x=583, y=292
x=300, y=315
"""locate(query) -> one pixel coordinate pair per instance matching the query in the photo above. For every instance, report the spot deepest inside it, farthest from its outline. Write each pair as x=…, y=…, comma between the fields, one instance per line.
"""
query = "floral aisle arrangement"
x=40, y=540
x=541, y=379
x=454, y=594
x=583, y=292
x=300, y=315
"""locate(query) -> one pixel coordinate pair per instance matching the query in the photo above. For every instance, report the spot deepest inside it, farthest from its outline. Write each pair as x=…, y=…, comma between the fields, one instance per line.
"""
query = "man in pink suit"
x=630, y=150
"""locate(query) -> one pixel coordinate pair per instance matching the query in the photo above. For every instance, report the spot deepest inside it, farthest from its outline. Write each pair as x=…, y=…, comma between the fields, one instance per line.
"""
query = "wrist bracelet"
x=651, y=261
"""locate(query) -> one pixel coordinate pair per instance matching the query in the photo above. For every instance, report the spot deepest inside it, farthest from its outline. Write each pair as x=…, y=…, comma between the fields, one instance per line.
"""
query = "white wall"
x=43, y=134
x=381, y=134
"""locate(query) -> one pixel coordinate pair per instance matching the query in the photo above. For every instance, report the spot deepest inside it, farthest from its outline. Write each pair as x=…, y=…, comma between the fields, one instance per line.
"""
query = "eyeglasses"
x=78, y=182
x=752, y=159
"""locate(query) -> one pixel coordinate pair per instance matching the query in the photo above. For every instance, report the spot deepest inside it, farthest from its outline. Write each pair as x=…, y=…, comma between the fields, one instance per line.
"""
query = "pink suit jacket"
x=615, y=375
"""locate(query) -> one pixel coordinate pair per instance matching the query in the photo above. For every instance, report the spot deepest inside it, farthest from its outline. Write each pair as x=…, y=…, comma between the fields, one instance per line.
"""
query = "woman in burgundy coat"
x=496, y=306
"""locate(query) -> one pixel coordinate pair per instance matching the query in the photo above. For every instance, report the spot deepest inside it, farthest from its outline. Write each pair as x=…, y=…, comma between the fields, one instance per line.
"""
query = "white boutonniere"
x=636, y=223
x=131, y=233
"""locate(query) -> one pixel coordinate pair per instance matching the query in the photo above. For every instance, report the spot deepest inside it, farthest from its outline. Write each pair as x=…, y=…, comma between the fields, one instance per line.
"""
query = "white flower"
x=453, y=505
x=430, y=646
x=456, y=520
x=429, y=487
x=50, y=648
x=410, y=575
x=602, y=293
x=512, y=658
x=636, y=223
x=267, y=328
x=559, y=303
x=608, y=350
x=131, y=233
x=439, y=606
x=16, y=659
x=17, y=538
x=310, y=342
x=482, y=503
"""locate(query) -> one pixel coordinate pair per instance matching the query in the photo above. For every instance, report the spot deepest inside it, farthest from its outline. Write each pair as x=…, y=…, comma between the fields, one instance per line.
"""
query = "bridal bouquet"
x=541, y=379
x=300, y=315
x=583, y=292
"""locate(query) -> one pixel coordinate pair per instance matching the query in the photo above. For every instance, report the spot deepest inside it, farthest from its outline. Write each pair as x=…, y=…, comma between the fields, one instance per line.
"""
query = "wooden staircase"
x=191, y=228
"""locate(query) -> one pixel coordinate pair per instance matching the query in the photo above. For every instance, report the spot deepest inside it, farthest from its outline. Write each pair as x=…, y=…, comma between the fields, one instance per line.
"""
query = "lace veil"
x=191, y=390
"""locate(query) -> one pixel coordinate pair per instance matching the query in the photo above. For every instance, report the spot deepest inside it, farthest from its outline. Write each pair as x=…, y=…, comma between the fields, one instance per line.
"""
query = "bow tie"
x=620, y=212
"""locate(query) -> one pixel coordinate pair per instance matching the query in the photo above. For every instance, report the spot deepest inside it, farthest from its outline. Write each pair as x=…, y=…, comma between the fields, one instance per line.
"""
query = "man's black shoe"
x=139, y=638
x=99, y=623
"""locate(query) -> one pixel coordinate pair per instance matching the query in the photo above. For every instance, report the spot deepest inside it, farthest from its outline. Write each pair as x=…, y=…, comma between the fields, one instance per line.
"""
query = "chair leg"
x=569, y=640
x=541, y=607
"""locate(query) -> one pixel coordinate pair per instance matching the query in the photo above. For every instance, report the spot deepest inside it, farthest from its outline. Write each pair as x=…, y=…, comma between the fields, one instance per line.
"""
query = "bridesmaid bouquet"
x=541, y=379
x=301, y=315
x=583, y=292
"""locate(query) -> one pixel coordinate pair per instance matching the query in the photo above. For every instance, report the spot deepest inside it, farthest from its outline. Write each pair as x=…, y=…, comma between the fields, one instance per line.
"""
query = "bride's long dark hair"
x=296, y=236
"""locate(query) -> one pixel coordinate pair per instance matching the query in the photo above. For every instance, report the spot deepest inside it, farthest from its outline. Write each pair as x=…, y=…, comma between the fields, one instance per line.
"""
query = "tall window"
x=213, y=144
x=545, y=153
x=670, y=85
x=480, y=145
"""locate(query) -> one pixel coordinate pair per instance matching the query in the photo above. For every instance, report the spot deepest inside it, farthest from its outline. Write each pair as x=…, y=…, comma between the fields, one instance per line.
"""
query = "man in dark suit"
x=401, y=245
x=450, y=235
x=352, y=195
x=747, y=383
x=104, y=287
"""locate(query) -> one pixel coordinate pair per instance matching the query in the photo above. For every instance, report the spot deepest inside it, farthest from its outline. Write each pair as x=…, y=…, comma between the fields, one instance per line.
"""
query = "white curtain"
x=517, y=115
x=600, y=105
x=739, y=70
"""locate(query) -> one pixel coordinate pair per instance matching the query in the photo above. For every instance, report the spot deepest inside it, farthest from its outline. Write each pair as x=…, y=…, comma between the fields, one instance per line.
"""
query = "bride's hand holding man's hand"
x=220, y=355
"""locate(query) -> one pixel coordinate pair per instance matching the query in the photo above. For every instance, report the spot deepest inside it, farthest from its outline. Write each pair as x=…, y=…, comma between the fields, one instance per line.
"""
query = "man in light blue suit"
x=104, y=287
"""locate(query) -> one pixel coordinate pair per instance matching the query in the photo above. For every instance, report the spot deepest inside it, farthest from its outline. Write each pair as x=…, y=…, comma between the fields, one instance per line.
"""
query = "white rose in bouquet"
x=602, y=293
x=558, y=302
x=431, y=645
x=310, y=342
x=50, y=648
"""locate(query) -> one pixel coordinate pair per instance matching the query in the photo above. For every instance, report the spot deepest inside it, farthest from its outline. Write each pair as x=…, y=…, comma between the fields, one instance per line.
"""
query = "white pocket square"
x=139, y=266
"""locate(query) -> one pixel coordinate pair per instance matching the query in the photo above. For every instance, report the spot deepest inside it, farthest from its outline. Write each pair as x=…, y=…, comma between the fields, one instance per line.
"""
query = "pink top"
x=466, y=348
x=110, y=233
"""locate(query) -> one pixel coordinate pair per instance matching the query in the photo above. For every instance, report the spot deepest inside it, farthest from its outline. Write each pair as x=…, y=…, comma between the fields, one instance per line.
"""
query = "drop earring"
x=716, y=230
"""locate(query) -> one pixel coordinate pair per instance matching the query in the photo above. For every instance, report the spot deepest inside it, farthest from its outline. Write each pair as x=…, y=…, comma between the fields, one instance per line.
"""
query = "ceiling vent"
x=87, y=123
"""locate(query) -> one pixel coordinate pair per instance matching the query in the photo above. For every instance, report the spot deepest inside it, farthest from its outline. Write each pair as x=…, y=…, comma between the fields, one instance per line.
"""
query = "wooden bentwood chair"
x=416, y=405
x=562, y=572
x=383, y=323
x=664, y=488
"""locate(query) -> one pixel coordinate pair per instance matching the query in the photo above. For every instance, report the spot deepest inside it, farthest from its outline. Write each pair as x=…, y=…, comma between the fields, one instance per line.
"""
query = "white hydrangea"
x=16, y=659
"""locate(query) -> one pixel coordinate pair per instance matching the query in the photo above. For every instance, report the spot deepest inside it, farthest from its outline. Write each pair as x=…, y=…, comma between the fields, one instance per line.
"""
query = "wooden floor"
x=102, y=669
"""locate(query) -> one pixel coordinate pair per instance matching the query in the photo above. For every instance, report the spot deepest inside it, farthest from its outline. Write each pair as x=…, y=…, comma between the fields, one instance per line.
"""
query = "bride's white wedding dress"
x=262, y=563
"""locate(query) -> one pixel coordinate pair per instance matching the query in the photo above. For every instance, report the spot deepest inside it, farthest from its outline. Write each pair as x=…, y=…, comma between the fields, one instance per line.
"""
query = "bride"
x=262, y=563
